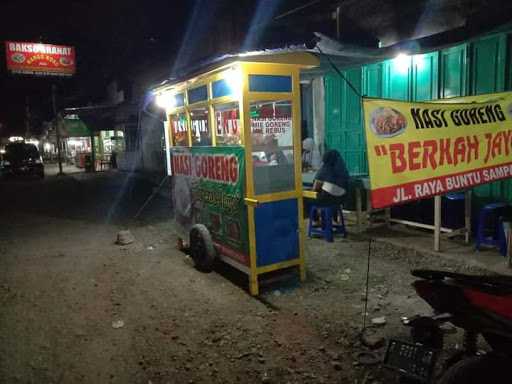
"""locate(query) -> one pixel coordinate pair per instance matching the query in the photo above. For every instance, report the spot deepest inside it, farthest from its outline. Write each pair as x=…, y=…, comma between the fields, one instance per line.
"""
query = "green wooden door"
x=488, y=56
x=343, y=117
x=488, y=65
x=397, y=78
x=425, y=78
x=453, y=71
x=372, y=80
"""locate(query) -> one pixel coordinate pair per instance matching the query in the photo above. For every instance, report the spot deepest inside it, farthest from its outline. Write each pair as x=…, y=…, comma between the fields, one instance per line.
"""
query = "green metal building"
x=477, y=66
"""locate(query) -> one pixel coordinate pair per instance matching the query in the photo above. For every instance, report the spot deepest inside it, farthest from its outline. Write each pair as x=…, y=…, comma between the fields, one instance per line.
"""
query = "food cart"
x=233, y=137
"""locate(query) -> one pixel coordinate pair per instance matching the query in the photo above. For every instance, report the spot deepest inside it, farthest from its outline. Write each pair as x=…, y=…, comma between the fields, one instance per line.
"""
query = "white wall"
x=318, y=115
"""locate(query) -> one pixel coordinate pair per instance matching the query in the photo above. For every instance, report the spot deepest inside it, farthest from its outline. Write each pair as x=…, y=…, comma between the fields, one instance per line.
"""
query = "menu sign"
x=179, y=128
x=208, y=188
x=228, y=126
x=199, y=125
x=272, y=126
x=228, y=123
x=40, y=59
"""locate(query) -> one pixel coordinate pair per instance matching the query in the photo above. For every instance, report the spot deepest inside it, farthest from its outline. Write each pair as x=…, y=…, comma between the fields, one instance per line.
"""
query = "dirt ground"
x=77, y=308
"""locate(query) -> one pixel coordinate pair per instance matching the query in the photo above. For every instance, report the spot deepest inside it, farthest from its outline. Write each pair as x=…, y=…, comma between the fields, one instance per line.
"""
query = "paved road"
x=52, y=169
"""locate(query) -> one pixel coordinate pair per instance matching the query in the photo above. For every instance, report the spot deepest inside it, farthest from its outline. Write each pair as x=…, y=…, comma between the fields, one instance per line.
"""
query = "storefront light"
x=47, y=147
x=402, y=63
x=234, y=80
x=166, y=100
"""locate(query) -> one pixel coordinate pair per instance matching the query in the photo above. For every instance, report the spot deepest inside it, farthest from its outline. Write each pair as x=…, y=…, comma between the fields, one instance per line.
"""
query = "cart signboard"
x=40, y=59
x=419, y=150
x=208, y=186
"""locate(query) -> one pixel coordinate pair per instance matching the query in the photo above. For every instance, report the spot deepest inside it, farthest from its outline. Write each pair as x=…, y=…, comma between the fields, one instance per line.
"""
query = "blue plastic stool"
x=453, y=210
x=490, y=227
x=326, y=229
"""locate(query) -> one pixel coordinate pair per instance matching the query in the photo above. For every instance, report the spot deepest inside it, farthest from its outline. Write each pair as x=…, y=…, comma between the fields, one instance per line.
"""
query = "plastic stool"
x=491, y=234
x=453, y=207
x=326, y=229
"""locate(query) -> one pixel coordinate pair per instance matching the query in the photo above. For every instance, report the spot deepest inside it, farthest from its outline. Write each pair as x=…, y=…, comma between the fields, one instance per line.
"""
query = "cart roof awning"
x=289, y=55
x=315, y=56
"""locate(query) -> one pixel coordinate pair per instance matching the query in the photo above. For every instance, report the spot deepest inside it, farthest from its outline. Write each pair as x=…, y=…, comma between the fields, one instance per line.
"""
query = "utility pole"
x=27, y=119
x=56, y=127
x=338, y=27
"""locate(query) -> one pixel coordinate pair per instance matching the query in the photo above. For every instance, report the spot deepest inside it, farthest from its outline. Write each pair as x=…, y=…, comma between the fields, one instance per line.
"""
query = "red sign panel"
x=40, y=59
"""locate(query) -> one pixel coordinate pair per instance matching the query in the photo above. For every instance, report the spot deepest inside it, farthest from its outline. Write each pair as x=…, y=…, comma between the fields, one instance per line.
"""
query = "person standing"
x=113, y=160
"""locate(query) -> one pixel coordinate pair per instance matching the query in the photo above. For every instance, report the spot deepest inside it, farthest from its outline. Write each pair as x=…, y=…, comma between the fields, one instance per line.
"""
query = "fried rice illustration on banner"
x=18, y=58
x=182, y=200
x=65, y=61
x=233, y=230
x=387, y=122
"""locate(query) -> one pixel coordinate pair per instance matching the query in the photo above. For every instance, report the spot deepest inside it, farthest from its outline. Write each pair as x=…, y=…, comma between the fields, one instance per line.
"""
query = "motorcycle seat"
x=498, y=284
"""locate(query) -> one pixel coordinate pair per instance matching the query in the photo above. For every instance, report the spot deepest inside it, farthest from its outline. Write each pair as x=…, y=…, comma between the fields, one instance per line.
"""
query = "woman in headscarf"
x=331, y=180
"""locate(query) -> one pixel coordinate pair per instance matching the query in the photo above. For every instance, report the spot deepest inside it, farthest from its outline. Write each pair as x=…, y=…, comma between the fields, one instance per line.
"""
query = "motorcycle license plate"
x=413, y=360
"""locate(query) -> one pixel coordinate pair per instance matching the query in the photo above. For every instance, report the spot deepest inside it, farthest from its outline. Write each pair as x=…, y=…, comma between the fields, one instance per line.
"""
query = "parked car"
x=21, y=159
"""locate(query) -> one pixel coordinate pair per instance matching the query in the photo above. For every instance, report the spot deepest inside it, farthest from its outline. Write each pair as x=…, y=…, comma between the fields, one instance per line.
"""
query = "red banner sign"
x=40, y=59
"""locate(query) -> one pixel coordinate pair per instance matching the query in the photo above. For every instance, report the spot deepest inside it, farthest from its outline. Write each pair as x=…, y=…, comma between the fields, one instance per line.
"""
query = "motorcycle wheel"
x=476, y=370
x=426, y=331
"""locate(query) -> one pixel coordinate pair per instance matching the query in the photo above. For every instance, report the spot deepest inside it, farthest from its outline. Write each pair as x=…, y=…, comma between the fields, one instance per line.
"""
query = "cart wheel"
x=201, y=246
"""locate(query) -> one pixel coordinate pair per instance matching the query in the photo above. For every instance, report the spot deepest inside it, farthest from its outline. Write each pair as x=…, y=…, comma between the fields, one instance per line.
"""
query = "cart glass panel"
x=227, y=124
x=272, y=146
x=201, y=135
x=179, y=130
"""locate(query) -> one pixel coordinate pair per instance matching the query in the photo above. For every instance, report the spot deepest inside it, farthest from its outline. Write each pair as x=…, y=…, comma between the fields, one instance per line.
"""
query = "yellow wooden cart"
x=233, y=137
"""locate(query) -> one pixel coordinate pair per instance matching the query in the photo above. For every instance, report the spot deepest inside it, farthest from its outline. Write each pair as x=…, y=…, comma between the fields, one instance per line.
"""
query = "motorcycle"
x=480, y=306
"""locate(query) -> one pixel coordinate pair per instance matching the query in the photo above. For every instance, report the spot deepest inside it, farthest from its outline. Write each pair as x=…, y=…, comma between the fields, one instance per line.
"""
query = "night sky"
x=111, y=38
x=114, y=39
x=121, y=39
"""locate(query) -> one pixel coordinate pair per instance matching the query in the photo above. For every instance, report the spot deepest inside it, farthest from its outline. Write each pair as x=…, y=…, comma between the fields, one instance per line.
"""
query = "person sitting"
x=276, y=157
x=331, y=180
x=256, y=160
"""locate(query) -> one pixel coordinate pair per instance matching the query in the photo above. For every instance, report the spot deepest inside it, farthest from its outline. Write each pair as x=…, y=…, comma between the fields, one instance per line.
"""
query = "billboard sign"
x=208, y=186
x=419, y=150
x=40, y=59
